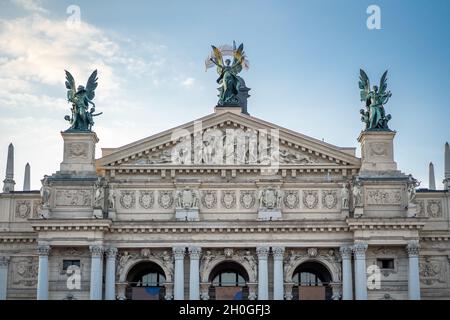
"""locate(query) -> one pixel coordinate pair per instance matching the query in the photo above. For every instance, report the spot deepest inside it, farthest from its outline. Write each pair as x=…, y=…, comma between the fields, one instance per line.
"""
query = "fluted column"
x=263, y=276
x=413, y=270
x=110, y=285
x=194, y=273
x=359, y=250
x=96, y=272
x=178, y=253
x=347, y=285
x=278, y=282
x=42, y=285
x=4, y=263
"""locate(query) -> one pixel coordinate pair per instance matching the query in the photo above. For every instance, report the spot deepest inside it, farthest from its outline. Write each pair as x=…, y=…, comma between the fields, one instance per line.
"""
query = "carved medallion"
x=23, y=209
x=78, y=150
x=379, y=149
x=329, y=199
x=209, y=199
x=127, y=199
x=26, y=271
x=291, y=199
x=247, y=199
x=146, y=199
x=165, y=199
x=434, y=209
x=229, y=199
x=310, y=198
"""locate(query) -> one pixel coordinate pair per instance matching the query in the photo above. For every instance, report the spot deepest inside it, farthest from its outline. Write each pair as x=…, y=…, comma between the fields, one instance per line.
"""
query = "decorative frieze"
x=74, y=197
x=384, y=197
x=25, y=271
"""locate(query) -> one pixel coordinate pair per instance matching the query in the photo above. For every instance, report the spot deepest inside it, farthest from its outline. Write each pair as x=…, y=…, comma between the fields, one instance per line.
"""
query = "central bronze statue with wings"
x=374, y=116
x=81, y=97
x=228, y=80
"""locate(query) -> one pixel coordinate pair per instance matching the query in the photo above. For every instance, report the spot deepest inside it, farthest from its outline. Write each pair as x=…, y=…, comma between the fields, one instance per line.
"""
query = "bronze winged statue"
x=228, y=74
x=374, y=116
x=81, y=97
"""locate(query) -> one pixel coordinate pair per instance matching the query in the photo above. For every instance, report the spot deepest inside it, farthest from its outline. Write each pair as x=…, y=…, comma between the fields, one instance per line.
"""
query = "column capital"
x=262, y=252
x=96, y=251
x=178, y=252
x=111, y=252
x=4, y=261
x=194, y=252
x=43, y=250
x=412, y=248
x=346, y=252
x=359, y=249
x=278, y=253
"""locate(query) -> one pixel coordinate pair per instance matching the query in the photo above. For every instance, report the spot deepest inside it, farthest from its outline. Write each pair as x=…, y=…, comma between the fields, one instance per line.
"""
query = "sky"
x=304, y=58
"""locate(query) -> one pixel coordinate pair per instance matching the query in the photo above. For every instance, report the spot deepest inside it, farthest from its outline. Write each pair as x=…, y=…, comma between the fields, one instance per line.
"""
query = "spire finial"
x=431, y=180
x=26, y=178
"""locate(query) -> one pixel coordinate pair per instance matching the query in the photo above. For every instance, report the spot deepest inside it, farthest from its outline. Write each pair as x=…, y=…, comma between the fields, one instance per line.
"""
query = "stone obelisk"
x=8, y=183
x=26, y=178
x=431, y=180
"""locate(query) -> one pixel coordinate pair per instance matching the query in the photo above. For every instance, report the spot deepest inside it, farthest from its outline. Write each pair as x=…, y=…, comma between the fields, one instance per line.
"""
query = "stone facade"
x=236, y=192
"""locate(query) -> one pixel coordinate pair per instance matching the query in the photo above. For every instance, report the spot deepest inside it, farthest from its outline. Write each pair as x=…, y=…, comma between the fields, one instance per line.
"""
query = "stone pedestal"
x=79, y=152
x=377, y=151
x=359, y=211
x=266, y=214
x=413, y=210
x=187, y=214
x=98, y=213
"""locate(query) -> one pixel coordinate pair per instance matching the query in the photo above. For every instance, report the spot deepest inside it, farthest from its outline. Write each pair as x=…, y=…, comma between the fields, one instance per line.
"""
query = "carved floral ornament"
x=165, y=199
x=127, y=199
x=146, y=199
x=291, y=199
x=247, y=199
x=310, y=198
x=228, y=199
x=209, y=199
x=329, y=199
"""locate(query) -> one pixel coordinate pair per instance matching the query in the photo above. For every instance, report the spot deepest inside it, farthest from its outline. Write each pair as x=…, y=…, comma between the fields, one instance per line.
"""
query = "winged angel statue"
x=228, y=80
x=81, y=98
x=374, y=116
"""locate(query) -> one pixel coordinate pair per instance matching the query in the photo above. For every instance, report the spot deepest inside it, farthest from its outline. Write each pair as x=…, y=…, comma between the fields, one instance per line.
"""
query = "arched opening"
x=312, y=282
x=228, y=282
x=146, y=282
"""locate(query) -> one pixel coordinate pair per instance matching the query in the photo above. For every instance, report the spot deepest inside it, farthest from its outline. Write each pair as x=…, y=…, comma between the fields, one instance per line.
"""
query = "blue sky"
x=304, y=63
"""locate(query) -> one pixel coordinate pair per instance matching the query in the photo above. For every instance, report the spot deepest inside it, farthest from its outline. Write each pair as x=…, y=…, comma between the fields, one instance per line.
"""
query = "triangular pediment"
x=233, y=134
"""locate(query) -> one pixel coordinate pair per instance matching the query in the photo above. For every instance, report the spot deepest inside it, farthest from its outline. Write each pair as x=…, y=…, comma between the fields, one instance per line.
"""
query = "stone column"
x=194, y=273
x=4, y=263
x=278, y=282
x=347, y=285
x=263, y=276
x=359, y=250
x=178, y=253
x=413, y=270
x=110, y=285
x=42, y=285
x=96, y=272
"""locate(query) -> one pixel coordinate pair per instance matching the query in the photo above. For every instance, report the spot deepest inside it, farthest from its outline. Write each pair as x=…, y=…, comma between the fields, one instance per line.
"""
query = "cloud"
x=30, y=5
x=188, y=82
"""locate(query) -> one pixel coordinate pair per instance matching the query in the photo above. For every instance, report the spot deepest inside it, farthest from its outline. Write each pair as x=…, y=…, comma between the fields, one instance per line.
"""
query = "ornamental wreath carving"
x=310, y=198
x=165, y=199
x=229, y=199
x=247, y=199
x=127, y=199
x=23, y=209
x=209, y=199
x=329, y=199
x=291, y=199
x=146, y=199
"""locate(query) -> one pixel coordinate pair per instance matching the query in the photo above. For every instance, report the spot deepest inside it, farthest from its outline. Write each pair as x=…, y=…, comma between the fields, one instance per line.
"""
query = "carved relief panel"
x=73, y=197
x=24, y=272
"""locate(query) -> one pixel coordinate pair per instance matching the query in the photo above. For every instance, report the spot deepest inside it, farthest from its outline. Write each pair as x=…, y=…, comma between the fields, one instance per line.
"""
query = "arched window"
x=228, y=278
x=312, y=282
x=151, y=279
